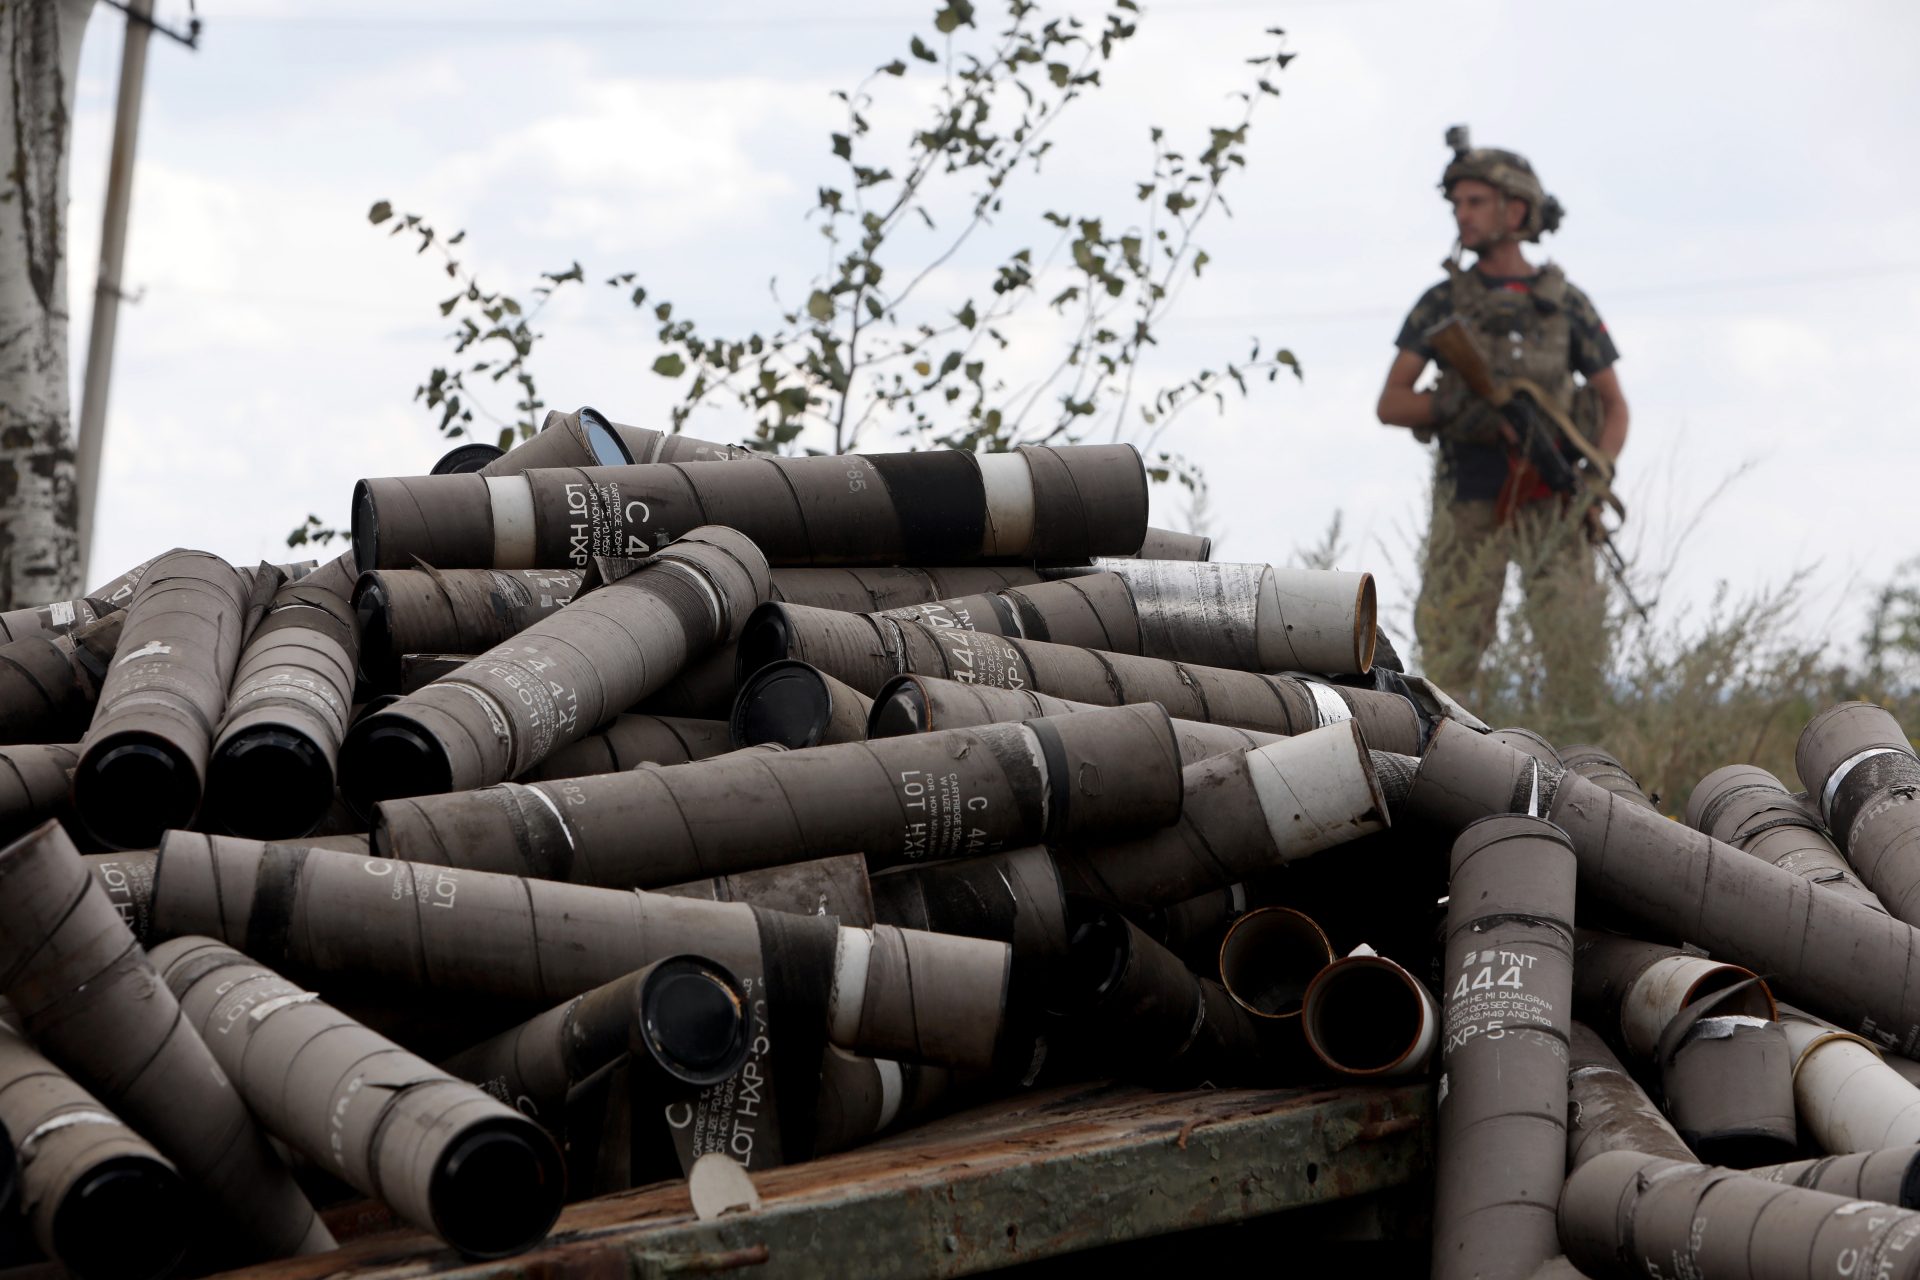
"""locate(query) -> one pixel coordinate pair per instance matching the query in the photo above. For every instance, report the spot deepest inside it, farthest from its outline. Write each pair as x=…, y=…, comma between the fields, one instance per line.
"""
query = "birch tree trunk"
x=40, y=49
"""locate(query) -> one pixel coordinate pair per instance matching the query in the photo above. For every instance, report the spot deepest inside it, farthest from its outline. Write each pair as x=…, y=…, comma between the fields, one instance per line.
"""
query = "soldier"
x=1489, y=506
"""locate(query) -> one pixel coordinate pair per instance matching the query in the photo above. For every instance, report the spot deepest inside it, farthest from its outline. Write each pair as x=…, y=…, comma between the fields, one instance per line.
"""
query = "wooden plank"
x=1018, y=1180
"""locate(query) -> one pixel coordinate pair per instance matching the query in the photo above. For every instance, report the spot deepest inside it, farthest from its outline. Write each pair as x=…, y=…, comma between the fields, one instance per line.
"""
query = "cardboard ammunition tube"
x=1891, y=1177
x=1849, y=1099
x=1171, y=544
x=1633, y=990
x=644, y=444
x=917, y=704
x=404, y=611
x=86, y=994
x=464, y=458
x=875, y=590
x=1268, y=959
x=1605, y=771
x=560, y=678
x=836, y=886
x=1253, y=617
x=1501, y=1136
x=63, y=616
x=1145, y=1016
x=272, y=767
x=1530, y=743
x=1015, y=897
x=935, y=795
x=1607, y=1110
x=937, y=507
x=1396, y=774
x=1243, y=813
x=1750, y=809
x=143, y=762
x=580, y=439
x=1909, y=1069
x=1856, y=758
x=703, y=690
x=1625, y=1214
x=442, y=1154
x=1728, y=1083
x=99, y=1199
x=867, y=651
x=49, y=684
x=438, y=929
x=33, y=786
x=1844, y=960
x=685, y=1016
x=796, y=705
x=1096, y=611
x=417, y=671
x=631, y=741
x=1366, y=1017
x=862, y=1098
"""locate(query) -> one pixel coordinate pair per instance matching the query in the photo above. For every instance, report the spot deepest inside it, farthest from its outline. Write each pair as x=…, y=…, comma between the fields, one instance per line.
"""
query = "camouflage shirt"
x=1479, y=471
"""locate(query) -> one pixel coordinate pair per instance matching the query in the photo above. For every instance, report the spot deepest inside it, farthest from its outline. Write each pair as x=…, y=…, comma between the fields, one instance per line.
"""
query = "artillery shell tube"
x=1015, y=897
x=1530, y=743
x=1633, y=990
x=1243, y=813
x=88, y=997
x=442, y=1154
x=50, y=684
x=1145, y=1016
x=1626, y=1214
x=937, y=795
x=1750, y=809
x=272, y=768
x=586, y=438
x=866, y=652
x=935, y=507
x=463, y=458
x=1268, y=959
x=920, y=704
x=33, y=786
x=875, y=590
x=1841, y=959
x=1603, y=770
x=1171, y=544
x=404, y=611
x=1891, y=1176
x=1847, y=1098
x=1857, y=760
x=1606, y=1109
x=100, y=1200
x=1729, y=1087
x=1501, y=1137
x=1095, y=611
x=438, y=929
x=796, y=705
x=633, y=740
x=560, y=678
x=835, y=886
x=63, y=616
x=1364, y=1016
x=143, y=763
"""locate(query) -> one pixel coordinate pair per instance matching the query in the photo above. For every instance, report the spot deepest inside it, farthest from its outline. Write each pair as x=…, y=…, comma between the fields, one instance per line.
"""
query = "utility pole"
x=113, y=252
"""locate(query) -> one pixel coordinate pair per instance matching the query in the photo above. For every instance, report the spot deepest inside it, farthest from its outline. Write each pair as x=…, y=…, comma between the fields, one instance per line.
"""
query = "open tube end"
x=472, y=456
x=497, y=1188
x=133, y=786
x=1269, y=958
x=378, y=654
x=765, y=638
x=608, y=449
x=900, y=709
x=125, y=1220
x=366, y=527
x=387, y=757
x=694, y=1020
x=269, y=783
x=1366, y=630
x=1375, y=1016
x=785, y=702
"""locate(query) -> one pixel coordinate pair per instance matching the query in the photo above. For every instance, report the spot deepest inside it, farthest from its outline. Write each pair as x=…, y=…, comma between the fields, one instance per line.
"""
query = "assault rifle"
x=1534, y=429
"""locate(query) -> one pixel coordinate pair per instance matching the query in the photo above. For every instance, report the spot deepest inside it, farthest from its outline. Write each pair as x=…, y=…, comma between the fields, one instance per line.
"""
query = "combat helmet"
x=1506, y=172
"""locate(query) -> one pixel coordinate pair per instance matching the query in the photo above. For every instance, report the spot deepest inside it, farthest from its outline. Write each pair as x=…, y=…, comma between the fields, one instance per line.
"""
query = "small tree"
x=39, y=549
x=858, y=350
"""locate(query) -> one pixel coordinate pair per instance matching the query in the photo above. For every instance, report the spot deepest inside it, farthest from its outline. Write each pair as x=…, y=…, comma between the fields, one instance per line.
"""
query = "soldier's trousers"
x=1458, y=612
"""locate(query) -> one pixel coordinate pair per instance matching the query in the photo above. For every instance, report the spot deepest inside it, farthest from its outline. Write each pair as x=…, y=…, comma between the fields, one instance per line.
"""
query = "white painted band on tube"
x=1847, y=766
x=512, y=501
x=1313, y=790
x=1658, y=994
x=851, y=955
x=267, y=1008
x=1008, y=484
x=1848, y=1098
x=1328, y=706
x=64, y=1120
x=891, y=1089
x=716, y=607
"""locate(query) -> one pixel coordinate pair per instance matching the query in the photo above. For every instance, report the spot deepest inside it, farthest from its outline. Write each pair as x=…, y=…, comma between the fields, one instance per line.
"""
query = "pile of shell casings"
x=626, y=799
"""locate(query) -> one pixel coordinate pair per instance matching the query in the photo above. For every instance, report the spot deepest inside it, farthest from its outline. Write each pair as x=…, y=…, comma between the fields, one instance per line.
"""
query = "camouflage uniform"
x=1489, y=508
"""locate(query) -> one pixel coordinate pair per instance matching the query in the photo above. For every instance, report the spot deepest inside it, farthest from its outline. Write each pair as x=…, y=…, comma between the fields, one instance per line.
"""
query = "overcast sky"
x=1738, y=179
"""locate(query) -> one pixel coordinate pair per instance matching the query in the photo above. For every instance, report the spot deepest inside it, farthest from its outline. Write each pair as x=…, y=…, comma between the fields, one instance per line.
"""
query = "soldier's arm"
x=1613, y=409
x=1400, y=405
